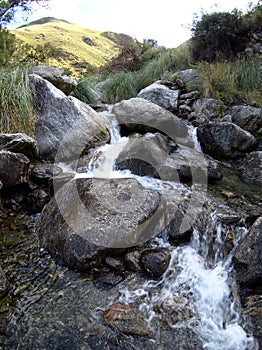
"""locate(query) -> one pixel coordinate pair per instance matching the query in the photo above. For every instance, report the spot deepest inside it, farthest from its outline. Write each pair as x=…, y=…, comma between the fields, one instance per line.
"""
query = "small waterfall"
x=102, y=163
x=193, y=132
x=198, y=281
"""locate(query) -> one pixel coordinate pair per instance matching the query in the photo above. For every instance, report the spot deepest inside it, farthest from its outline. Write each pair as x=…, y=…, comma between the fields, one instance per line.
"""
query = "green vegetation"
x=16, y=107
x=62, y=44
x=7, y=46
x=124, y=66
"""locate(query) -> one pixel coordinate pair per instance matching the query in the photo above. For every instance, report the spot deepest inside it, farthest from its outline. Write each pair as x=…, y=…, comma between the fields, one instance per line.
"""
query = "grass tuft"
x=16, y=105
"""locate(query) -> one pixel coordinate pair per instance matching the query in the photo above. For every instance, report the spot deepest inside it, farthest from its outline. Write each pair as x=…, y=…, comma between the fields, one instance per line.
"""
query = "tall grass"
x=16, y=105
x=234, y=82
x=155, y=64
x=120, y=86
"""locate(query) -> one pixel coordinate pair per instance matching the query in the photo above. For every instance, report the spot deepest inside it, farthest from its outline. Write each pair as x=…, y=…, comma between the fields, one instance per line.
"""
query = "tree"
x=8, y=8
x=150, y=42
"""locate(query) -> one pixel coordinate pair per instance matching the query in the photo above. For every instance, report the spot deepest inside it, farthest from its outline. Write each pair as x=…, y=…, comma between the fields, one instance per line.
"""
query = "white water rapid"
x=198, y=278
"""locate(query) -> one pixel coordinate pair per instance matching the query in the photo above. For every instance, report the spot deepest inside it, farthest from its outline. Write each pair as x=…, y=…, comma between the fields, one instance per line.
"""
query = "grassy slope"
x=69, y=38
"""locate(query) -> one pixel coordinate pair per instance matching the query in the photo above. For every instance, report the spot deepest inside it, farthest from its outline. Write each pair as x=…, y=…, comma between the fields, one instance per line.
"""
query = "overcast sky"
x=166, y=21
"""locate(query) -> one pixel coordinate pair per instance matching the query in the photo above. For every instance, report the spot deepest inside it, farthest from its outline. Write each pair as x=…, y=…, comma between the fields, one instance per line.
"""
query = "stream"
x=50, y=306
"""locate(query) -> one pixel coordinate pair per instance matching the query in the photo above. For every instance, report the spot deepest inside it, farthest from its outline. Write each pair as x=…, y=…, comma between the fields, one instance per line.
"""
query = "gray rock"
x=19, y=143
x=65, y=127
x=188, y=79
x=250, y=167
x=98, y=217
x=160, y=94
x=55, y=76
x=248, y=257
x=140, y=115
x=4, y=284
x=208, y=108
x=247, y=117
x=156, y=156
x=224, y=140
x=14, y=168
x=155, y=261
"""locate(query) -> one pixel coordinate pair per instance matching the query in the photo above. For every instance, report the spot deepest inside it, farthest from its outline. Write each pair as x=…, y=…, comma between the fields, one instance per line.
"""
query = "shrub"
x=7, y=46
x=219, y=36
x=16, y=106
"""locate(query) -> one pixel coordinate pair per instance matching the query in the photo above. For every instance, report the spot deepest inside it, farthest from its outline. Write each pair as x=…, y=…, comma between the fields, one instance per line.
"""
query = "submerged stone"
x=126, y=319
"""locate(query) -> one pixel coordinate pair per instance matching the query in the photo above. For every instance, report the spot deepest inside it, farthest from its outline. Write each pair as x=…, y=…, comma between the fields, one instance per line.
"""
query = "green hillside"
x=78, y=48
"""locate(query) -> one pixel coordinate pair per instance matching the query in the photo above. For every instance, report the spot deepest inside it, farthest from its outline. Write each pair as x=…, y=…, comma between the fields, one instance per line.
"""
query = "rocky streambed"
x=119, y=232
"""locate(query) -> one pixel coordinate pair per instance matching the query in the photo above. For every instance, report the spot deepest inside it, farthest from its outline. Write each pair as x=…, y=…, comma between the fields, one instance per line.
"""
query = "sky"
x=166, y=21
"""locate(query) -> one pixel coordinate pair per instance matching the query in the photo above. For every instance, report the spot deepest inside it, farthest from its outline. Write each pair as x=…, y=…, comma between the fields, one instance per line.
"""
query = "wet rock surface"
x=126, y=319
x=155, y=261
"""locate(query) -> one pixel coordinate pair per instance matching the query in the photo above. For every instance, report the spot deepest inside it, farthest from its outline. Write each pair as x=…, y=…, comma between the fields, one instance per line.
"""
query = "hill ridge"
x=78, y=49
x=43, y=20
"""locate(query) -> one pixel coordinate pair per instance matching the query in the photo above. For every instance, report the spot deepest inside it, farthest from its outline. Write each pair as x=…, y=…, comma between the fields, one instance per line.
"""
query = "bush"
x=219, y=36
x=16, y=106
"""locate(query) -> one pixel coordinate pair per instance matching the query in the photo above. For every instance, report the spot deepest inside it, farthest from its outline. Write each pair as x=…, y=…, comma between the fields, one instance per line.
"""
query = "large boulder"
x=19, y=143
x=157, y=156
x=162, y=94
x=56, y=76
x=247, y=117
x=140, y=115
x=90, y=218
x=63, y=123
x=247, y=257
x=14, y=168
x=224, y=140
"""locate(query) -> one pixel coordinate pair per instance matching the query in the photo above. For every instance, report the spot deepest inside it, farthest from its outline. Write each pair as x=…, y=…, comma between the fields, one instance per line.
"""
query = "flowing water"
x=52, y=307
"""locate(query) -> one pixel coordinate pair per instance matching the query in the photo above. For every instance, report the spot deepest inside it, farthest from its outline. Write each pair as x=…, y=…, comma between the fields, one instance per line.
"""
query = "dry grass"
x=76, y=55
